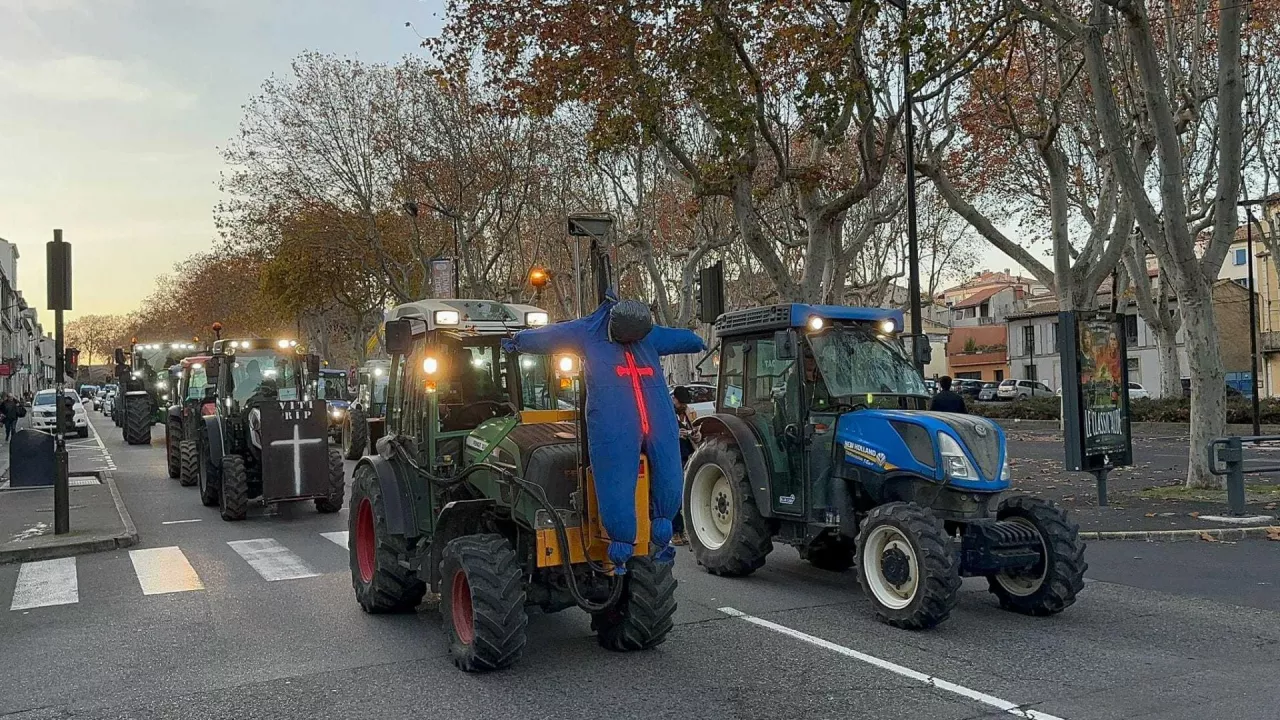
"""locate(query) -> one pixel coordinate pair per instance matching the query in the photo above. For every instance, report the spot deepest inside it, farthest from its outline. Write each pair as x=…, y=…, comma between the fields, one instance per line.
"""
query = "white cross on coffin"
x=297, y=442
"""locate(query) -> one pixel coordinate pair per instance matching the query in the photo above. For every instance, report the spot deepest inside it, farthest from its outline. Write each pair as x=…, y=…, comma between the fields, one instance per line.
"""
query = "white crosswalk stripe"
x=272, y=560
x=46, y=582
x=338, y=538
x=164, y=570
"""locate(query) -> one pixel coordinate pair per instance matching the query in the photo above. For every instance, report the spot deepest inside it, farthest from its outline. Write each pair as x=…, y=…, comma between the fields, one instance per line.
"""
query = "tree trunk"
x=1208, y=392
x=1167, y=350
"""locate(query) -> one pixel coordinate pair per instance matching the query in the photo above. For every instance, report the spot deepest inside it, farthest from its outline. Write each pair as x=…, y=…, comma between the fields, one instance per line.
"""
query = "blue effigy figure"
x=628, y=411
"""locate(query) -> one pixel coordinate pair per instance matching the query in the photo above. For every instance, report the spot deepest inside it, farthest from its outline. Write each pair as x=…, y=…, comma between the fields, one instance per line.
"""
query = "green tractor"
x=365, y=417
x=185, y=418
x=821, y=440
x=143, y=377
x=481, y=492
x=267, y=439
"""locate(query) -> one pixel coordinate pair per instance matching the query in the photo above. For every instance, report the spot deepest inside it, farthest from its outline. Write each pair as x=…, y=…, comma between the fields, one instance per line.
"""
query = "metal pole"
x=1235, y=475
x=913, y=242
x=1253, y=325
x=61, y=486
x=1101, y=477
x=577, y=277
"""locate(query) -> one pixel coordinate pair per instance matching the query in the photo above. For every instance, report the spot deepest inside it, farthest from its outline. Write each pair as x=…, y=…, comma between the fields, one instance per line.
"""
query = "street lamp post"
x=1253, y=314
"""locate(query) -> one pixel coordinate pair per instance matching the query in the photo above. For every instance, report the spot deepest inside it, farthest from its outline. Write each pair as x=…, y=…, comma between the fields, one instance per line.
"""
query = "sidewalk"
x=98, y=518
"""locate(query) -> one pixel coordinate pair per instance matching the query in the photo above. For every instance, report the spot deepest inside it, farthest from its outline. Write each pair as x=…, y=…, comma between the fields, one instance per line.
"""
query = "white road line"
x=968, y=693
x=111, y=465
x=337, y=538
x=179, y=522
x=46, y=582
x=272, y=560
x=164, y=570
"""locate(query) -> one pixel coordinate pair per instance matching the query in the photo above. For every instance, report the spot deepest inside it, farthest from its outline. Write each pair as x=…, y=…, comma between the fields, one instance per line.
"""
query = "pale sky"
x=111, y=113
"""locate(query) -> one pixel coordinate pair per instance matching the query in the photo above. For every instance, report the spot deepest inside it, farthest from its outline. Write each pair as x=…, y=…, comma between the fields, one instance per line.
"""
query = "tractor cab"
x=188, y=405
x=365, y=415
x=145, y=384
x=331, y=387
x=822, y=440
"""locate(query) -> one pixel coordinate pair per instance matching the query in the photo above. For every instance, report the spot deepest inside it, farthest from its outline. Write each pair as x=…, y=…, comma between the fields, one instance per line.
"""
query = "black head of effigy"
x=629, y=322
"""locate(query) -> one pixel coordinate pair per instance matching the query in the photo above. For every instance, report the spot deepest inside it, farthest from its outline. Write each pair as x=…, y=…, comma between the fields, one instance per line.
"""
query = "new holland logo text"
x=858, y=451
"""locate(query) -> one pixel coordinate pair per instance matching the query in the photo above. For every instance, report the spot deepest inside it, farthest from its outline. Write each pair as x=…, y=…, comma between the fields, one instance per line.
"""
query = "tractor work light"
x=526, y=363
x=888, y=326
x=137, y=376
x=566, y=364
x=446, y=317
x=478, y=362
x=162, y=385
x=816, y=323
x=535, y=319
x=284, y=343
x=430, y=365
x=196, y=366
x=377, y=372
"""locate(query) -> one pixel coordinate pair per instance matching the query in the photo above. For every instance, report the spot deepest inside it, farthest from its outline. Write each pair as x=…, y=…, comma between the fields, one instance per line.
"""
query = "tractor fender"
x=752, y=450
x=174, y=413
x=395, y=496
x=458, y=518
x=213, y=436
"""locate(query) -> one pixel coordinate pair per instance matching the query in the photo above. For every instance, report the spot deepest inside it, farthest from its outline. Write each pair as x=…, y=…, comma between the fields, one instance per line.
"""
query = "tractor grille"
x=982, y=439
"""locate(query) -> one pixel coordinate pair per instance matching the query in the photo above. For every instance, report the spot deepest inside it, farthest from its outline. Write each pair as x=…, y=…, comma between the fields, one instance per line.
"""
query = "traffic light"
x=539, y=277
x=67, y=415
x=71, y=360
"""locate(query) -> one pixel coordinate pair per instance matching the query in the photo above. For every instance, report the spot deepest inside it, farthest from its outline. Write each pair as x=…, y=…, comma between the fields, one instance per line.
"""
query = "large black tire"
x=1052, y=585
x=725, y=529
x=116, y=412
x=234, y=502
x=482, y=602
x=381, y=583
x=337, y=484
x=188, y=463
x=137, y=420
x=830, y=552
x=892, y=539
x=355, y=434
x=209, y=476
x=173, y=436
x=641, y=618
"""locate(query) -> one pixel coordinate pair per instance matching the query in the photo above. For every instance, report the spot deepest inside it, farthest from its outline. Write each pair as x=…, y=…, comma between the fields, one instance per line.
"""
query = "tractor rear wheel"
x=337, y=484
x=381, y=583
x=137, y=420
x=172, y=436
x=188, y=463
x=234, y=498
x=906, y=566
x=641, y=618
x=727, y=533
x=482, y=602
x=355, y=434
x=1052, y=584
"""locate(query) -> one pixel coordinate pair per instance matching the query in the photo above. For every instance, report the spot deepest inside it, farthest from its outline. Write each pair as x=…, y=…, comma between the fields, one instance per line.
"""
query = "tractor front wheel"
x=337, y=484
x=906, y=566
x=173, y=436
x=641, y=618
x=188, y=463
x=355, y=434
x=728, y=535
x=1051, y=585
x=137, y=420
x=482, y=602
x=234, y=498
x=381, y=583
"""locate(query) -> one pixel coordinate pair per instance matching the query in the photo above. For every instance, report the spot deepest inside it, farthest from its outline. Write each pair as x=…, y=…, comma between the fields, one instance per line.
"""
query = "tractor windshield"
x=855, y=361
x=265, y=373
x=541, y=389
x=333, y=387
x=155, y=358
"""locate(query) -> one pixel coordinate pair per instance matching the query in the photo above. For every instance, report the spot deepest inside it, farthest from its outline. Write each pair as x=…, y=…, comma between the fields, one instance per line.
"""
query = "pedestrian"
x=685, y=416
x=9, y=406
x=945, y=400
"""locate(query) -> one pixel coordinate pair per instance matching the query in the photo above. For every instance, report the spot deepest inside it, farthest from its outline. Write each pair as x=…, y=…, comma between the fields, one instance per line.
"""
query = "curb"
x=1177, y=535
x=81, y=546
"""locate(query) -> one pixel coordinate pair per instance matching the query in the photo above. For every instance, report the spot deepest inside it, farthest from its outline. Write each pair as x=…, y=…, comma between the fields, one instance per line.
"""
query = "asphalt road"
x=183, y=626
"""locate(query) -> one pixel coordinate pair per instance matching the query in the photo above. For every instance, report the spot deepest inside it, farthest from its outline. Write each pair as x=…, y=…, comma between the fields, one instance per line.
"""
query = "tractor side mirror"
x=399, y=336
x=918, y=348
x=119, y=356
x=784, y=345
x=313, y=365
x=210, y=392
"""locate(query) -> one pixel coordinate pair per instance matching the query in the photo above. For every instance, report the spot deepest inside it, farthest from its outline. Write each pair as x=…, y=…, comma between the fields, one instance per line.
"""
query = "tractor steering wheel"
x=842, y=408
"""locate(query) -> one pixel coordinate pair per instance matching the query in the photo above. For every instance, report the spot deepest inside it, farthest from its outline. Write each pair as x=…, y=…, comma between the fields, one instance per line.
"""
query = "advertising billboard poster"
x=444, y=278
x=1095, y=395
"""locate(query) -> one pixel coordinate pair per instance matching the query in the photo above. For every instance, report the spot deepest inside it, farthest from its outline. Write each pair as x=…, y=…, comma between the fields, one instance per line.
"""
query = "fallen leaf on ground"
x=1195, y=514
x=1273, y=533
x=1151, y=514
x=1207, y=537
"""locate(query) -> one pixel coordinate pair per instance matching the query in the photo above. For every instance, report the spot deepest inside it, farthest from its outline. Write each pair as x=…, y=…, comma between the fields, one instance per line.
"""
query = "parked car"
x=108, y=402
x=88, y=391
x=704, y=398
x=988, y=392
x=44, y=412
x=1186, y=389
x=1012, y=389
x=967, y=387
x=1137, y=392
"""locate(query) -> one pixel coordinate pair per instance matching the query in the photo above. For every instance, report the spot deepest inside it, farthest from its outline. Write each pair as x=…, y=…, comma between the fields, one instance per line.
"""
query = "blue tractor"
x=331, y=387
x=822, y=440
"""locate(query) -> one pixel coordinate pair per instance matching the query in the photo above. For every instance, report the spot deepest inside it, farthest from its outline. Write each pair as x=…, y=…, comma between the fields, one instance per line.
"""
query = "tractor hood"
x=967, y=452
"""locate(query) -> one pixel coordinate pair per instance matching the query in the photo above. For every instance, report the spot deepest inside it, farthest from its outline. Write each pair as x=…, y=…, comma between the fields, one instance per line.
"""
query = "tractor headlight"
x=816, y=323
x=430, y=365
x=336, y=413
x=954, y=460
x=446, y=317
x=164, y=396
x=565, y=364
x=162, y=385
x=137, y=376
x=284, y=343
x=1006, y=476
x=535, y=319
x=888, y=327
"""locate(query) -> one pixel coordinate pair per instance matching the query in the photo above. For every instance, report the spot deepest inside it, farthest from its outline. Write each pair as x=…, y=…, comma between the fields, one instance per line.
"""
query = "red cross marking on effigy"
x=636, y=373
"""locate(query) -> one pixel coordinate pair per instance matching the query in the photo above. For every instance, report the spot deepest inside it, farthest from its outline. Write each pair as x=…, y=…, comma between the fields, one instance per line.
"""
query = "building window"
x=999, y=375
x=1242, y=282
x=1131, y=329
x=1053, y=338
x=1240, y=257
x=1029, y=340
x=1030, y=372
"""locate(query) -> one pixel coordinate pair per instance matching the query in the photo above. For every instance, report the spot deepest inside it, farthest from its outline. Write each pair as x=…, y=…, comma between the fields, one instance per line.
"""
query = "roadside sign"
x=1095, y=391
x=444, y=278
